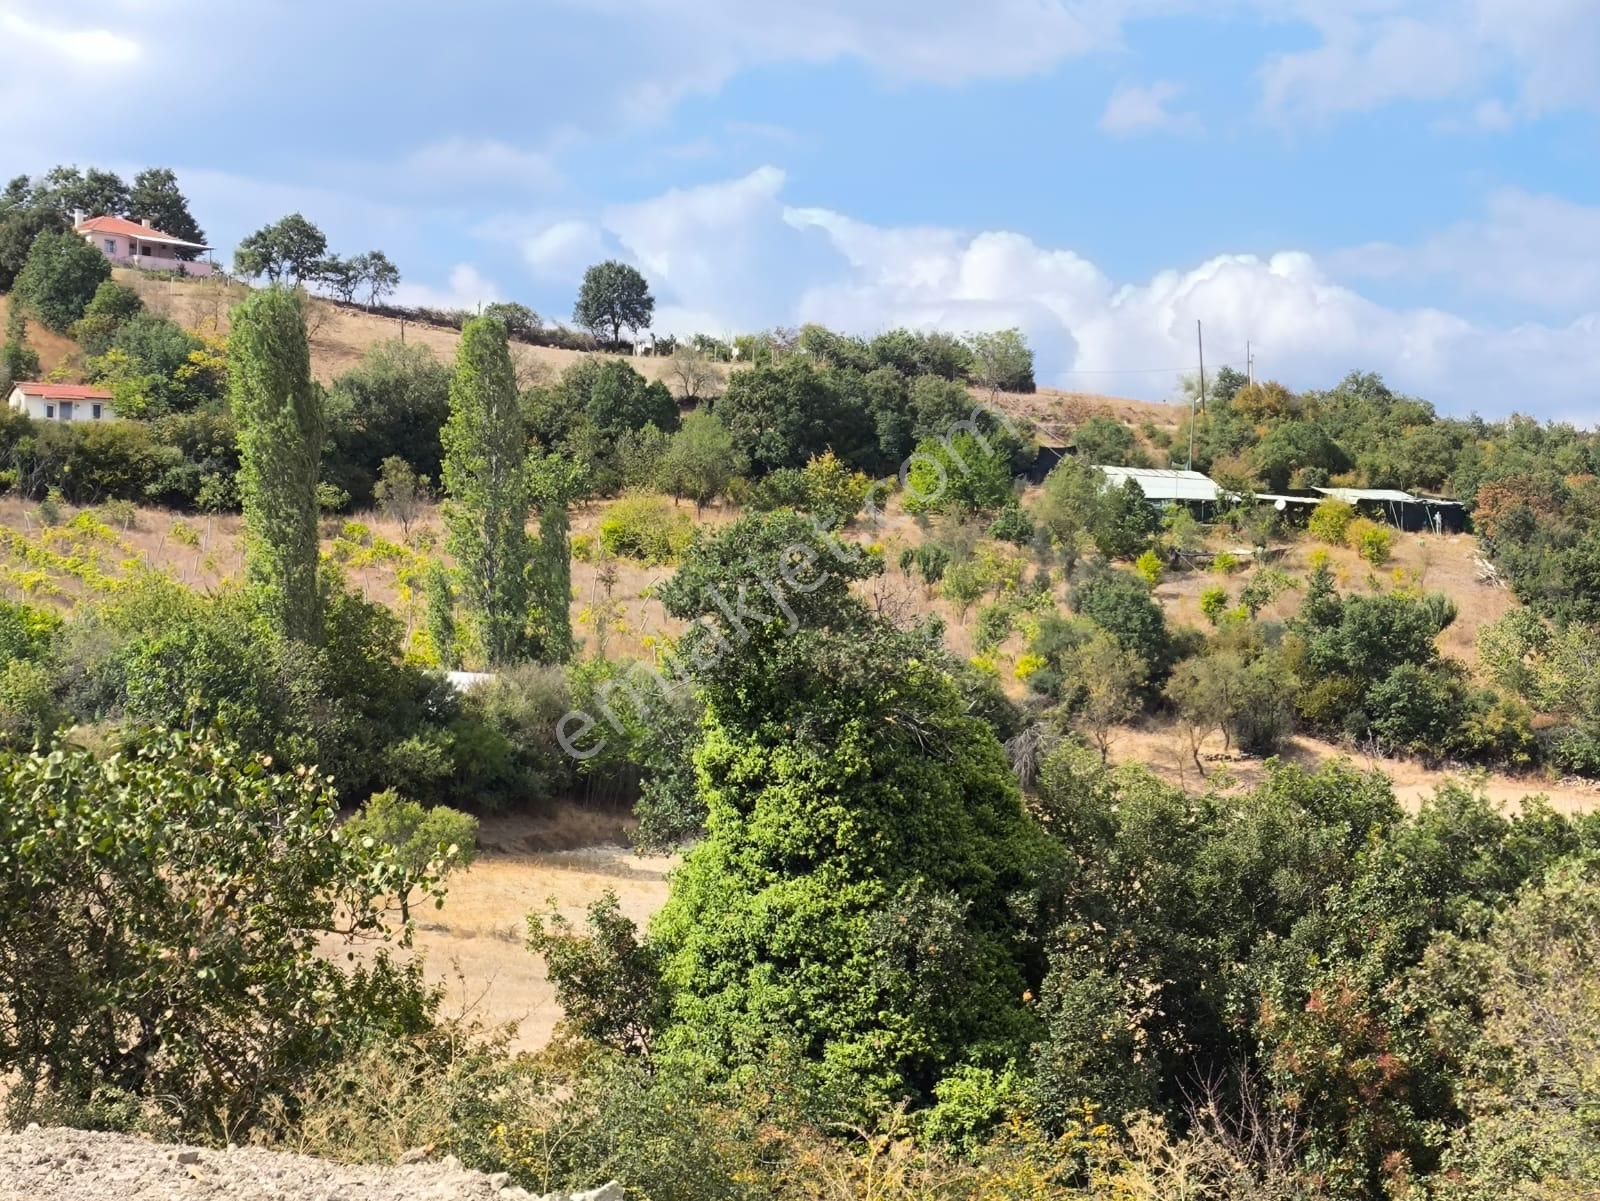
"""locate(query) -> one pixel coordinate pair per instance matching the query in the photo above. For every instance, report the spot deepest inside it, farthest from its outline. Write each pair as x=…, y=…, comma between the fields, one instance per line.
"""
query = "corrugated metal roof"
x=1164, y=483
x=1353, y=495
x=1293, y=500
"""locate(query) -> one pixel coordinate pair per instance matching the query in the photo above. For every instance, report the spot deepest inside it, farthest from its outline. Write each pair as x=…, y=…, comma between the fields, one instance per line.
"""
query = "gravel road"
x=54, y=1164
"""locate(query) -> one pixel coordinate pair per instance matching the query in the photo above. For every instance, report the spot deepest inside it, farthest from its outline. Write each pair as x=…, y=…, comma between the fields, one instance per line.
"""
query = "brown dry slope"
x=53, y=349
x=474, y=944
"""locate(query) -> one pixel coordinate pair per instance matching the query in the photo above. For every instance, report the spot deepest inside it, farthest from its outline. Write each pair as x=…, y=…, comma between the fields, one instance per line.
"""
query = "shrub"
x=112, y=974
x=1012, y=525
x=1330, y=521
x=1149, y=568
x=1369, y=540
x=1224, y=563
x=1214, y=603
x=646, y=527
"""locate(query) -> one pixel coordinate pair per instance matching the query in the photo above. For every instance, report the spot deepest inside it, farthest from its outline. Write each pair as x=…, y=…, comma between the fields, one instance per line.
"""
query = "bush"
x=646, y=527
x=1224, y=563
x=1149, y=568
x=1214, y=603
x=1012, y=525
x=1330, y=521
x=1369, y=540
x=112, y=974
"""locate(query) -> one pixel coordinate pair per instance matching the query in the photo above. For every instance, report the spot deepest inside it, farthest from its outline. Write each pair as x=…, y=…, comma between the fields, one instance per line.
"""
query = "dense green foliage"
x=162, y=910
x=612, y=298
x=858, y=892
x=485, y=477
x=59, y=278
x=281, y=424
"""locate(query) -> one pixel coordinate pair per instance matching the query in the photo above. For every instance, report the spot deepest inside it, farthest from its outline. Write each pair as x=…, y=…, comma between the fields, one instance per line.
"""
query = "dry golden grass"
x=1162, y=746
x=53, y=349
x=474, y=944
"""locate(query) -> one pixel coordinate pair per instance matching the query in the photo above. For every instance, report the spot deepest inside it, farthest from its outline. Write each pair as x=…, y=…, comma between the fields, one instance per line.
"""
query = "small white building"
x=62, y=402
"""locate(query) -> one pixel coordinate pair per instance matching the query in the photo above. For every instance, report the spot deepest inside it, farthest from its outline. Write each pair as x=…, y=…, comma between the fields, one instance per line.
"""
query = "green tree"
x=59, y=279
x=614, y=297
x=607, y=982
x=852, y=899
x=486, y=480
x=18, y=360
x=394, y=403
x=1111, y=681
x=288, y=248
x=1120, y=603
x=155, y=197
x=441, y=616
x=278, y=409
x=400, y=492
x=701, y=460
x=552, y=483
x=114, y=973
x=1103, y=440
x=96, y=193
x=520, y=321
x=376, y=275
x=424, y=845
x=1001, y=361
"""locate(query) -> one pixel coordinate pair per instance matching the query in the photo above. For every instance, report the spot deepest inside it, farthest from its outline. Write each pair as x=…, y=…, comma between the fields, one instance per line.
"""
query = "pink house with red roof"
x=62, y=402
x=136, y=244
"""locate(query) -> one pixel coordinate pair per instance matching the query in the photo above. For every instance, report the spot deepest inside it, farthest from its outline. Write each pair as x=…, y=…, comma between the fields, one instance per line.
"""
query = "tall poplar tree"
x=486, y=480
x=281, y=422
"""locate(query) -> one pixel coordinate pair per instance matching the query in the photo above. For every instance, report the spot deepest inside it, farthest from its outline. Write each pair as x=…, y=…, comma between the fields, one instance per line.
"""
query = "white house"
x=136, y=244
x=62, y=402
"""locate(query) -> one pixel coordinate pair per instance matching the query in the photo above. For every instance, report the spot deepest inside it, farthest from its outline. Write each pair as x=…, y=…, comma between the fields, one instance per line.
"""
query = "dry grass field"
x=53, y=349
x=474, y=944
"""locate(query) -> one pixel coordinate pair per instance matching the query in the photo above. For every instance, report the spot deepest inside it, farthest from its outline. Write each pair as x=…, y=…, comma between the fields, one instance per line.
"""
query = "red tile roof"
x=62, y=391
x=129, y=229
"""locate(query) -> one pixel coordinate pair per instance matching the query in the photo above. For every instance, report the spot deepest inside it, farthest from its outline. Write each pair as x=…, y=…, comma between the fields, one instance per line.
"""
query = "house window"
x=111, y=247
x=96, y=409
x=50, y=412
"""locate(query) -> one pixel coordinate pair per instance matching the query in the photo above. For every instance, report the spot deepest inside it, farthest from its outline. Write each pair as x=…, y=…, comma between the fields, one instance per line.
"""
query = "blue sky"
x=1407, y=186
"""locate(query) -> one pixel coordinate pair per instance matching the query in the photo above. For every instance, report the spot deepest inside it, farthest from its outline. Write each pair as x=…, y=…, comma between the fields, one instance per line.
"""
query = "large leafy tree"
x=614, y=297
x=155, y=197
x=289, y=248
x=786, y=414
x=860, y=896
x=1001, y=361
x=59, y=278
x=94, y=192
x=279, y=412
x=486, y=479
x=393, y=403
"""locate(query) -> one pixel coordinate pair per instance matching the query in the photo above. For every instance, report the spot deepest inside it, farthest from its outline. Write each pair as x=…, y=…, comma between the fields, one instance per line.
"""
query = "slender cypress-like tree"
x=553, y=481
x=281, y=422
x=486, y=480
